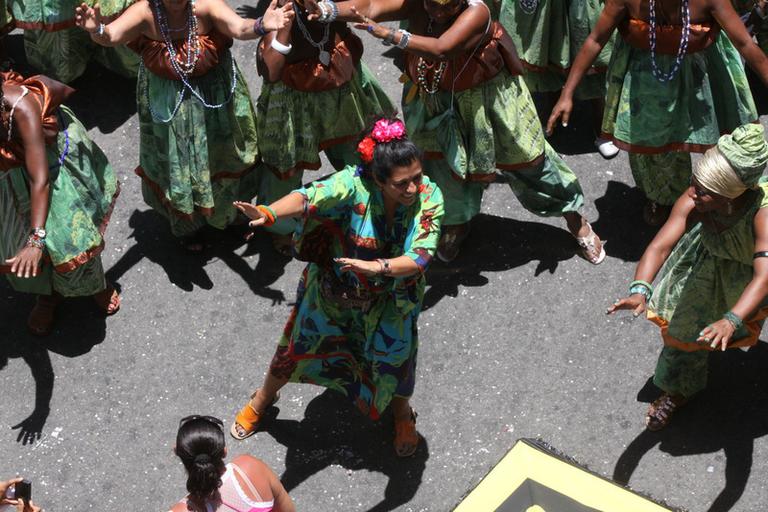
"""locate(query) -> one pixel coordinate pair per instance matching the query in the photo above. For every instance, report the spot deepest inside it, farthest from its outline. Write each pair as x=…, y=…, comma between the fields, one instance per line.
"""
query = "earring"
x=729, y=208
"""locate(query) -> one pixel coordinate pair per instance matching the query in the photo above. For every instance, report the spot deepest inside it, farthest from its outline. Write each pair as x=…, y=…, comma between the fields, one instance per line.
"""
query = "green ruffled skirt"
x=196, y=164
x=83, y=192
x=295, y=126
x=56, y=48
x=709, y=96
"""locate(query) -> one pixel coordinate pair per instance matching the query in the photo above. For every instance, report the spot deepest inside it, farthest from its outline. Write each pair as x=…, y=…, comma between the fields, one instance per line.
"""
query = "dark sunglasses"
x=209, y=419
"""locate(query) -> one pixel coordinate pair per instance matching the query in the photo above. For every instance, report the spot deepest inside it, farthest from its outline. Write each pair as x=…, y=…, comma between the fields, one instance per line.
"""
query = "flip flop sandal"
x=108, y=300
x=40, y=320
x=248, y=419
x=588, y=246
x=406, y=436
x=660, y=412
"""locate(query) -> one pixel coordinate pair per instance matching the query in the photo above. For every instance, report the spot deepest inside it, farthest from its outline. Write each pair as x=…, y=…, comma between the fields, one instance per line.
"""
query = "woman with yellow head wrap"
x=711, y=292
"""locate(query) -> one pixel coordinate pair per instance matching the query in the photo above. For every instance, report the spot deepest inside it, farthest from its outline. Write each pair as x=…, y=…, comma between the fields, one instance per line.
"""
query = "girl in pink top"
x=244, y=485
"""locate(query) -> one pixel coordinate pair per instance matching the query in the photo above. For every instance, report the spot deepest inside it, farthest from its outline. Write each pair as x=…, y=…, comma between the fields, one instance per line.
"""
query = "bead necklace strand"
x=685, y=14
x=529, y=6
x=324, y=56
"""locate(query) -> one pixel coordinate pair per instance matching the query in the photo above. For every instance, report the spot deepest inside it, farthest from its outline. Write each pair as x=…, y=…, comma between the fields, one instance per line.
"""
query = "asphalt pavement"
x=514, y=343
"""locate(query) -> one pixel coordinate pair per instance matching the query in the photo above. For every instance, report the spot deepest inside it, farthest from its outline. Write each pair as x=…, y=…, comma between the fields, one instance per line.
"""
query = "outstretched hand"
x=26, y=263
x=88, y=18
x=362, y=22
x=367, y=268
x=636, y=302
x=250, y=211
x=562, y=109
x=718, y=333
x=276, y=17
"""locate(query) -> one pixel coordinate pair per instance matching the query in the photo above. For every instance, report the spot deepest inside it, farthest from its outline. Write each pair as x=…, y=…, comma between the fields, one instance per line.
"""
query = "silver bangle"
x=280, y=47
x=102, y=28
x=405, y=37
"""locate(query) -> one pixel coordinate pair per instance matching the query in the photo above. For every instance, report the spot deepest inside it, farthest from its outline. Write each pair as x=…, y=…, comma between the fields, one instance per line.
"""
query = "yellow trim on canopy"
x=530, y=479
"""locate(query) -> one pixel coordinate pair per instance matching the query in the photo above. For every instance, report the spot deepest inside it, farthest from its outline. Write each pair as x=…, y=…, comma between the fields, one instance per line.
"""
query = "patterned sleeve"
x=326, y=197
x=421, y=243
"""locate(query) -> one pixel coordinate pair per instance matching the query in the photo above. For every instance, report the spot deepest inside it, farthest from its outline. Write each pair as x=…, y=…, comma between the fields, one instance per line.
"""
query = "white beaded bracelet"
x=280, y=47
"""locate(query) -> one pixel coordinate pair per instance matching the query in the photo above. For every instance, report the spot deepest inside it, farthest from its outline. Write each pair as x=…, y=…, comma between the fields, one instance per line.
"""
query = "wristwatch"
x=39, y=233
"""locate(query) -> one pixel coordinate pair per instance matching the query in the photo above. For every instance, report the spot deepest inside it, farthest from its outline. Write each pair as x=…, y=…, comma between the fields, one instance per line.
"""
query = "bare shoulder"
x=250, y=464
x=179, y=507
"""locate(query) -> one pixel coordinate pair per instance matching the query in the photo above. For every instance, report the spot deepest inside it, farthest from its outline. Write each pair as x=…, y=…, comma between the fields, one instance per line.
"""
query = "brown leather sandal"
x=108, y=300
x=661, y=410
x=406, y=436
x=40, y=320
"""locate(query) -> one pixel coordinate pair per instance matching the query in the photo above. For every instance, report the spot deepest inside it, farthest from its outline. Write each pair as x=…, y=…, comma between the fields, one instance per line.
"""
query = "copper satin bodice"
x=157, y=59
x=49, y=94
x=485, y=63
x=310, y=75
x=636, y=33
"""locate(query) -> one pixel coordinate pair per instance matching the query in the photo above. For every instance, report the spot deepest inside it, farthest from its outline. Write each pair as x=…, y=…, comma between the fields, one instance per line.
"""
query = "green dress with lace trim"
x=702, y=279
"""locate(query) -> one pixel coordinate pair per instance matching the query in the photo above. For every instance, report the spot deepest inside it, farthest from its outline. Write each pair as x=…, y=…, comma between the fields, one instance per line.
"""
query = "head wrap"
x=736, y=164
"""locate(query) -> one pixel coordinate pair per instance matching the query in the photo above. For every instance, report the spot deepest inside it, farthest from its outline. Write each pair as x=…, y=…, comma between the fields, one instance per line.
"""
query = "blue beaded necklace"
x=529, y=6
x=685, y=14
x=185, y=70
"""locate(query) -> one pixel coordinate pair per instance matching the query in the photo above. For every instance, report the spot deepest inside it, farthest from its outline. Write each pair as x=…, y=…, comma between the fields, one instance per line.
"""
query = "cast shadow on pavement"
x=155, y=243
x=333, y=432
x=620, y=222
x=729, y=415
x=79, y=327
x=486, y=251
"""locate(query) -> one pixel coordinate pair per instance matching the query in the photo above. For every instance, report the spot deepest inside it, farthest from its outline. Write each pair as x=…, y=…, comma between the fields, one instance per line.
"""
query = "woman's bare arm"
x=133, y=22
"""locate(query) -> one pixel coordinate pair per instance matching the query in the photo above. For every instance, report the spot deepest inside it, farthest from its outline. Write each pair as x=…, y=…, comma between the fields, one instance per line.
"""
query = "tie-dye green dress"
x=195, y=160
x=701, y=280
x=83, y=189
x=353, y=334
x=57, y=48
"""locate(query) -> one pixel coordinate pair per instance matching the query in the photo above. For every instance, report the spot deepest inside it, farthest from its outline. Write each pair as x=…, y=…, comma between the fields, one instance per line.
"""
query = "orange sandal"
x=248, y=418
x=108, y=300
x=40, y=320
x=406, y=437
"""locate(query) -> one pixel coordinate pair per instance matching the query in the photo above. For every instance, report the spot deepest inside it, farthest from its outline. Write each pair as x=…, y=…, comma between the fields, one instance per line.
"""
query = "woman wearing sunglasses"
x=711, y=292
x=244, y=485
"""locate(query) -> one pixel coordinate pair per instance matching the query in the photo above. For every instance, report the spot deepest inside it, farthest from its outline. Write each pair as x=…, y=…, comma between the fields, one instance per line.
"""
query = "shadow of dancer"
x=335, y=433
x=155, y=243
x=79, y=327
x=620, y=221
x=728, y=415
x=522, y=243
x=39, y=362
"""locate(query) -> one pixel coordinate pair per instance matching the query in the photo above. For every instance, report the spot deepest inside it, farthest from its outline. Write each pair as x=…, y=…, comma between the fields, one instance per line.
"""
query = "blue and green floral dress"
x=350, y=333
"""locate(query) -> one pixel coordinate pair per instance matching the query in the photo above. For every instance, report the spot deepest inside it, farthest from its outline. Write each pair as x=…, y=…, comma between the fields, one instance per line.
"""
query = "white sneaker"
x=606, y=148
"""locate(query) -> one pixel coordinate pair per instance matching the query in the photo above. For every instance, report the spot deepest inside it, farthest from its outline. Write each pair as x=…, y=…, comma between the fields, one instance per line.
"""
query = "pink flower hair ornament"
x=383, y=131
x=386, y=131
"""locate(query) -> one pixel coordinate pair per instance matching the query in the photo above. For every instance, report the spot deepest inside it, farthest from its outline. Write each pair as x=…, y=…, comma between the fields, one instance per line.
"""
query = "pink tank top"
x=233, y=498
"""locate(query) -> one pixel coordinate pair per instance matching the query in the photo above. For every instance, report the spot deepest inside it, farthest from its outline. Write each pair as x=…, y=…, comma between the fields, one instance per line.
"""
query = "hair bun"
x=202, y=458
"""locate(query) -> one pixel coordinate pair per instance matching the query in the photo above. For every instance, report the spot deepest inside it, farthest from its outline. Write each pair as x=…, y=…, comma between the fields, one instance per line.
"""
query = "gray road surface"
x=514, y=343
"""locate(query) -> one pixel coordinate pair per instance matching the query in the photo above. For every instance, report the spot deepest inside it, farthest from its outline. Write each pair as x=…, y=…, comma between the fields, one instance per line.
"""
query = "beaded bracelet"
x=268, y=213
x=648, y=286
x=732, y=317
x=405, y=36
x=35, y=241
x=258, y=27
x=385, y=268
